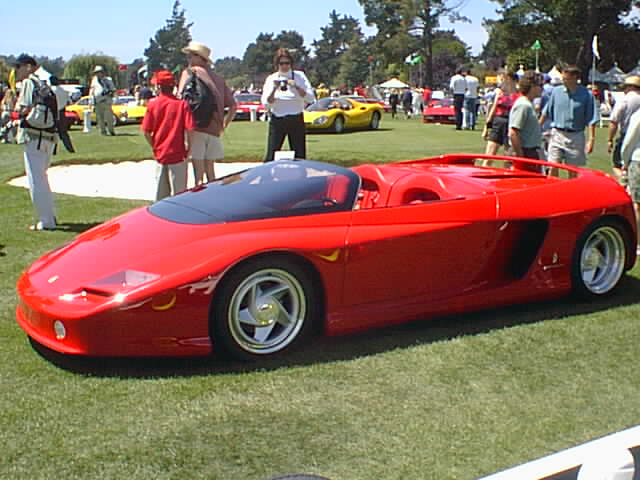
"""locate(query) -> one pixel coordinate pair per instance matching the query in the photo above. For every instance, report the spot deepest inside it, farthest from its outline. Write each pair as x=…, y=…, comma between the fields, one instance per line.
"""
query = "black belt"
x=567, y=130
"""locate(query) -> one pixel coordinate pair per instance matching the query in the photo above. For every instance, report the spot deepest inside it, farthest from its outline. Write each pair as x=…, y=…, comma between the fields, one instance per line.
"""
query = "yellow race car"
x=337, y=114
x=125, y=110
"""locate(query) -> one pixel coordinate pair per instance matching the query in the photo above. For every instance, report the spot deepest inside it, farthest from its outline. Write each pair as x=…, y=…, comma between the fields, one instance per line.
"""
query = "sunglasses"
x=284, y=63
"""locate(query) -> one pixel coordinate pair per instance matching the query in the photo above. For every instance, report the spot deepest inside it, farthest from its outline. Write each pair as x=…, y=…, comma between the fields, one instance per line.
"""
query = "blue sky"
x=123, y=28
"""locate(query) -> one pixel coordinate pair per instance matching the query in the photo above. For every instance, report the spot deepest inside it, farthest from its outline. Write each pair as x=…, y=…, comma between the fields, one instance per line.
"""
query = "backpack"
x=200, y=98
x=43, y=116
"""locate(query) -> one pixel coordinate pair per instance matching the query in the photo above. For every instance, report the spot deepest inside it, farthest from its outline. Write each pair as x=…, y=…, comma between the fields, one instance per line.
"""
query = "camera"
x=283, y=85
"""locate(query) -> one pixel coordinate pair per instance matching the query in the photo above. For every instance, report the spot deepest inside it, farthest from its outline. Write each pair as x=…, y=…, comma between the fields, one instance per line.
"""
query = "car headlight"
x=321, y=120
x=59, y=329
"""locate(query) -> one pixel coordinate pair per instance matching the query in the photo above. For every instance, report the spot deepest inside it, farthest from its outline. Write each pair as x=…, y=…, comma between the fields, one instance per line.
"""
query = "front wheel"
x=263, y=308
x=599, y=259
x=375, y=121
x=338, y=124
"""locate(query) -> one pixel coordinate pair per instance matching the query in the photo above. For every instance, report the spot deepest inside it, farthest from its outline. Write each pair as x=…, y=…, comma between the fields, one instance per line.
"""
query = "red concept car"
x=439, y=111
x=245, y=102
x=253, y=263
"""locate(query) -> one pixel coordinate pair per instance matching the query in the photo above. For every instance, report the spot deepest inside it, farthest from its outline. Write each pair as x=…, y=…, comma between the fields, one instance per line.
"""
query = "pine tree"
x=165, y=49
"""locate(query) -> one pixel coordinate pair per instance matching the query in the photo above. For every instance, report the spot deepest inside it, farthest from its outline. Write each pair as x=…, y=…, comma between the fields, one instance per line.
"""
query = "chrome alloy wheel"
x=602, y=260
x=267, y=311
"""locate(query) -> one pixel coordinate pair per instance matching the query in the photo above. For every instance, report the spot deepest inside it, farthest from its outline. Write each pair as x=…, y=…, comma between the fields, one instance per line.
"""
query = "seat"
x=414, y=189
x=374, y=189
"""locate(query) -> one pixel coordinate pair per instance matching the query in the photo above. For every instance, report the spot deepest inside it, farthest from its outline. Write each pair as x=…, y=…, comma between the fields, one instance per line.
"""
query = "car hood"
x=123, y=254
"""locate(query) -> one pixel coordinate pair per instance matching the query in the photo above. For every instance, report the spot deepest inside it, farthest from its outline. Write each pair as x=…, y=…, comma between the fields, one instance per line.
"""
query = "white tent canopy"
x=636, y=70
x=394, y=83
x=614, y=75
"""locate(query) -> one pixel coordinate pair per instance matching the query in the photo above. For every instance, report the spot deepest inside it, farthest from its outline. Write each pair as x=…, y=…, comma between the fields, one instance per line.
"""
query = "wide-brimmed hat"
x=163, y=78
x=98, y=68
x=633, y=80
x=199, y=49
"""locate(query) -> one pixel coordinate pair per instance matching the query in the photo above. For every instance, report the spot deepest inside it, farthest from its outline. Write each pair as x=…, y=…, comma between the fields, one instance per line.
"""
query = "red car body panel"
x=390, y=259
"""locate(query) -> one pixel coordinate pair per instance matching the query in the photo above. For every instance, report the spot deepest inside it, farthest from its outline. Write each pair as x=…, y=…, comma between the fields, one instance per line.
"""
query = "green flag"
x=536, y=45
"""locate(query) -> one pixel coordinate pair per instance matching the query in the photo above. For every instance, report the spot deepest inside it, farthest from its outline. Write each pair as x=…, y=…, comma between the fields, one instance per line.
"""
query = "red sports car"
x=245, y=102
x=254, y=262
x=439, y=111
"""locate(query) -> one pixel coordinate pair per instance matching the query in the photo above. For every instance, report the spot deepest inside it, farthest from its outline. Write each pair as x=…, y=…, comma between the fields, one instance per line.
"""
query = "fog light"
x=58, y=327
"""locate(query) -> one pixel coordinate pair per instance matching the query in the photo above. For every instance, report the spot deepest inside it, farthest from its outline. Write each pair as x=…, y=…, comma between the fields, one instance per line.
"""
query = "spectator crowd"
x=528, y=114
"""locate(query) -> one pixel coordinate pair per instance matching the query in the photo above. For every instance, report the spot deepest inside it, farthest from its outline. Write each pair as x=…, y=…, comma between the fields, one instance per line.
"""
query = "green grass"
x=453, y=398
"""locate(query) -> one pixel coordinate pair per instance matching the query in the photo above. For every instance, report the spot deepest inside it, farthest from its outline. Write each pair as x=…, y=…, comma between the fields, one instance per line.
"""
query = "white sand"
x=133, y=180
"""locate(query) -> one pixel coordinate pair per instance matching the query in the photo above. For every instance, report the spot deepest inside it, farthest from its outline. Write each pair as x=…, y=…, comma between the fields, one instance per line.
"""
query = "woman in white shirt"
x=285, y=93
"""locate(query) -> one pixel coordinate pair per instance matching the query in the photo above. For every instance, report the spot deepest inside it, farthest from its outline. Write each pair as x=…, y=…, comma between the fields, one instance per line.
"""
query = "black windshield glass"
x=275, y=189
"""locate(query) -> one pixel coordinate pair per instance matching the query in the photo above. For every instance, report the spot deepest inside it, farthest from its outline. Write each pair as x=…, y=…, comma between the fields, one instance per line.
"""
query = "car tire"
x=262, y=308
x=375, y=121
x=338, y=124
x=599, y=259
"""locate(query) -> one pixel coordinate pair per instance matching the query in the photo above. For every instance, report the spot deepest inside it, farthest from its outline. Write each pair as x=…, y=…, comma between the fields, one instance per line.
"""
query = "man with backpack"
x=208, y=96
x=36, y=108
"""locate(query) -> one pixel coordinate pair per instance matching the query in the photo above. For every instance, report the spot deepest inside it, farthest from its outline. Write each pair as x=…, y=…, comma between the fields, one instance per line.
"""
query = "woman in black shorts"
x=496, y=128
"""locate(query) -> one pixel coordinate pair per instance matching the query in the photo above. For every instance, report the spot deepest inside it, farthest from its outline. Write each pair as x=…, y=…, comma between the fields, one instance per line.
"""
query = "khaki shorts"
x=205, y=147
x=567, y=147
x=633, y=178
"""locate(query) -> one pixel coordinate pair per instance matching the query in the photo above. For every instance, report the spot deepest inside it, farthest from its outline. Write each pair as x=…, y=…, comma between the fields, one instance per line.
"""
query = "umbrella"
x=393, y=83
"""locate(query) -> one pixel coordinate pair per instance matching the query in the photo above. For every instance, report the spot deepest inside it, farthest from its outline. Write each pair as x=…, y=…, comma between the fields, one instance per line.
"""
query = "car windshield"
x=329, y=103
x=247, y=98
x=276, y=189
x=445, y=102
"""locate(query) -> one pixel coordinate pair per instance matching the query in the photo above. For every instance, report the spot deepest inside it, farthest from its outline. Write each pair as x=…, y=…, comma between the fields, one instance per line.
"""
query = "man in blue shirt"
x=571, y=109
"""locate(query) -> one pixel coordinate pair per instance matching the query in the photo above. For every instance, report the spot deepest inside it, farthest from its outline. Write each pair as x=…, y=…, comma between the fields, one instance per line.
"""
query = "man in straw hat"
x=205, y=144
x=101, y=93
x=619, y=120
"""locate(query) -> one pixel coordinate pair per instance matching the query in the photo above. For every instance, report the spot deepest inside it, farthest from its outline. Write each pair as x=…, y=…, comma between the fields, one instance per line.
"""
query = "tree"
x=400, y=21
x=337, y=37
x=165, y=49
x=81, y=67
x=233, y=71
x=353, y=65
x=54, y=66
x=258, y=57
x=565, y=29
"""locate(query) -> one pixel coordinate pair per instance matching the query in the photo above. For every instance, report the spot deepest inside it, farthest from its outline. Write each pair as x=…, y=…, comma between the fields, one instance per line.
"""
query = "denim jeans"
x=470, y=107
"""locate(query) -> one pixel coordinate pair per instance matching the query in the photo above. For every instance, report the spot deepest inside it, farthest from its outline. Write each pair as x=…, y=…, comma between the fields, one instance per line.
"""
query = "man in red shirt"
x=165, y=126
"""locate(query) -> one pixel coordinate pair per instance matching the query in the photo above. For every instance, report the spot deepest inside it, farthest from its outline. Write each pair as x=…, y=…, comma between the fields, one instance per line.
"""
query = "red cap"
x=163, y=78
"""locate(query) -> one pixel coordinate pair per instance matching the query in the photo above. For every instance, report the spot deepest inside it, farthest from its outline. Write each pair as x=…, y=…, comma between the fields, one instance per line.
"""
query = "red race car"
x=255, y=262
x=439, y=111
x=245, y=102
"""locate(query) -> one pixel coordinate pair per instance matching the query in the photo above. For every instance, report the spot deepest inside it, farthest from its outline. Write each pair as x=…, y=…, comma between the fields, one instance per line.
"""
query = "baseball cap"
x=163, y=78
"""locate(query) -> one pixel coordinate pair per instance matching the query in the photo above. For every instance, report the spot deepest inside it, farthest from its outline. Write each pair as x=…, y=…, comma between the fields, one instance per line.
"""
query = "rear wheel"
x=263, y=308
x=338, y=124
x=599, y=259
x=375, y=121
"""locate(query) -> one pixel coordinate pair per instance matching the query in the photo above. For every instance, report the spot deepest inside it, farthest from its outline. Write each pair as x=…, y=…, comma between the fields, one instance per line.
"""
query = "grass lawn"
x=454, y=398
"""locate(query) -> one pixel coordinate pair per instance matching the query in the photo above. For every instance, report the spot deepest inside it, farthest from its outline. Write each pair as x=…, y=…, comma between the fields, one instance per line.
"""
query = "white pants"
x=36, y=162
x=171, y=179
